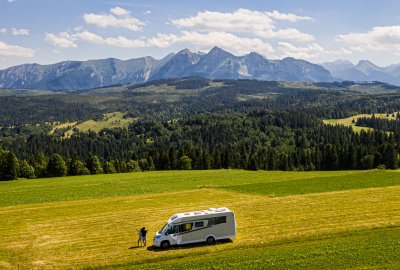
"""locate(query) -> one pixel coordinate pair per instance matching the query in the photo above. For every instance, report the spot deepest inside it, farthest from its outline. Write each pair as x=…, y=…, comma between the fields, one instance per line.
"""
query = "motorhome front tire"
x=165, y=244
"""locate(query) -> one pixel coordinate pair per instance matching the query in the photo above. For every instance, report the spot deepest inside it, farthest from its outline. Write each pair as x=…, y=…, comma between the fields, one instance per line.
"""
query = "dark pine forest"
x=243, y=124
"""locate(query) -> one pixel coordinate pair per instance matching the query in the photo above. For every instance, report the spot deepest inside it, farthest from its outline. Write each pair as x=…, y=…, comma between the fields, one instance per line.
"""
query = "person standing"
x=143, y=233
x=139, y=241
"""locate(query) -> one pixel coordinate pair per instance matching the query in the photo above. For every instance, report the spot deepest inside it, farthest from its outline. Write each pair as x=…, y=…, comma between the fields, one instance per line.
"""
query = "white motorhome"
x=199, y=226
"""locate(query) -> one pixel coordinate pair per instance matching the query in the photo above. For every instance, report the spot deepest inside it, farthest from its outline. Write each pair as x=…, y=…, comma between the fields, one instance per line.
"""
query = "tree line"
x=55, y=166
x=389, y=125
x=258, y=140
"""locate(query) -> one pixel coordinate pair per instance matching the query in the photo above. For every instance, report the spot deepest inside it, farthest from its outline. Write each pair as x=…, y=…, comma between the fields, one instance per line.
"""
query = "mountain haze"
x=363, y=71
x=216, y=64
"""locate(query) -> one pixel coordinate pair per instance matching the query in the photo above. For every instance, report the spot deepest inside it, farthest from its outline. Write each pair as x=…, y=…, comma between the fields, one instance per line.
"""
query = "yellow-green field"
x=296, y=220
x=110, y=120
x=348, y=122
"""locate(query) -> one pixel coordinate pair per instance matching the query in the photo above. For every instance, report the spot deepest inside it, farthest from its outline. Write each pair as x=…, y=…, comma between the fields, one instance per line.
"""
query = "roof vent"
x=211, y=209
x=220, y=210
x=187, y=214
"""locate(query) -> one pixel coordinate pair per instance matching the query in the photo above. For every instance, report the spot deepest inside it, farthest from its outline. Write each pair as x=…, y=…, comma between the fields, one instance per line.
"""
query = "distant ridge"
x=363, y=71
x=216, y=64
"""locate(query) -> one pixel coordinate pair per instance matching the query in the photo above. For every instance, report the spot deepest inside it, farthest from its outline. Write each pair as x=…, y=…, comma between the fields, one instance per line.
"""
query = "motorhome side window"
x=185, y=227
x=199, y=224
x=216, y=220
x=219, y=220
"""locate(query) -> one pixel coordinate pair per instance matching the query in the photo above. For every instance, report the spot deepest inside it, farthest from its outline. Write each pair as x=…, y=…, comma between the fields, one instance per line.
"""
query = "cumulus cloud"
x=15, y=50
x=385, y=38
x=310, y=51
x=62, y=40
x=120, y=11
x=3, y=30
x=146, y=12
x=19, y=32
x=203, y=41
x=119, y=41
x=119, y=17
x=261, y=24
x=276, y=15
x=206, y=41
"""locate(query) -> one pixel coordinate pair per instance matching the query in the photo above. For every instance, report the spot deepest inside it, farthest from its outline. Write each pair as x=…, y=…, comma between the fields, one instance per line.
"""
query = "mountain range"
x=216, y=64
x=363, y=71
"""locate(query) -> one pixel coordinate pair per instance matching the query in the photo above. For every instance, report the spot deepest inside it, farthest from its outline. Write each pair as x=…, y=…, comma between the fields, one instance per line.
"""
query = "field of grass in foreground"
x=285, y=220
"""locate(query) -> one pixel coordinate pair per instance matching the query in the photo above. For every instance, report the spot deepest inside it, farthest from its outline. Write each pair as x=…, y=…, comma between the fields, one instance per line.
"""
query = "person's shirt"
x=144, y=232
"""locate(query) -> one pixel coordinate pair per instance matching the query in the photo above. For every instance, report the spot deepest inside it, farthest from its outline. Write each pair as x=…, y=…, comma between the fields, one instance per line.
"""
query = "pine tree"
x=9, y=166
x=76, y=167
x=26, y=170
x=94, y=165
x=152, y=167
x=133, y=166
x=56, y=166
x=108, y=167
x=185, y=163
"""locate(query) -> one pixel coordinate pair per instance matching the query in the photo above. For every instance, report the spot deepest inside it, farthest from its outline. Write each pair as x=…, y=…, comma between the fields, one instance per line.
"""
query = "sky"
x=49, y=31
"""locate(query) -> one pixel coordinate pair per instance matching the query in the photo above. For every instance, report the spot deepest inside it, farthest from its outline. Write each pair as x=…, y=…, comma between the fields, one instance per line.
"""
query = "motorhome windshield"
x=164, y=228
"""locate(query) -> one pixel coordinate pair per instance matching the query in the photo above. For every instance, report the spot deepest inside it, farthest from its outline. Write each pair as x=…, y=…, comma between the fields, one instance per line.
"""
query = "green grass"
x=110, y=120
x=320, y=184
x=285, y=220
x=112, y=185
x=348, y=122
x=376, y=248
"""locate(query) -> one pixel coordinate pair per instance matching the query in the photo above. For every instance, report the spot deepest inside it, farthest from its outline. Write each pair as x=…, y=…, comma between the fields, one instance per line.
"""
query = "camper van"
x=199, y=226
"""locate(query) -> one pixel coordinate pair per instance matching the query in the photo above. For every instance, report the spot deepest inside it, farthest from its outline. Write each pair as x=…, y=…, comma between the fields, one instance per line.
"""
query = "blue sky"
x=49, y=31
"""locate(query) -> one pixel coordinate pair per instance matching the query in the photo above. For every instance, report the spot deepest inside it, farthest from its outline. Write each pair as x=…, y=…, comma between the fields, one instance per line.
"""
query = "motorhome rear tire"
x=210, y=240
x=165, y=244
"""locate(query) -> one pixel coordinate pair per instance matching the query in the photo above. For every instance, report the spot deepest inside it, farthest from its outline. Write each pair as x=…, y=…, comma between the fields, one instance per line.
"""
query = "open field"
x=349, y=120
x=285, y=220
x=110, y=120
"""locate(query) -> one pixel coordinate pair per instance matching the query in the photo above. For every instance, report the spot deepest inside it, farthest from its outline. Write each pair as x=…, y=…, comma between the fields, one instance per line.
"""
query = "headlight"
x=157, y=236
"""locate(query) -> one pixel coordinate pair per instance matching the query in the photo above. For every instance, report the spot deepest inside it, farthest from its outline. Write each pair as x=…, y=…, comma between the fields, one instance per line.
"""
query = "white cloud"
x=203, y=41
x=89, y=37
x=62, y=40
x=11, y=1
x=125, y=42
x=242, y=20
x=120, y=11
x=261, y=24
x=206, y=41
x=146, y=12
x=19, y=32
x=286, y=34
x=119, y=18
x=14, y=50
x=386, y=38
x=3, y=30
x=311, y=51
x=276, y=15
x=120, y=41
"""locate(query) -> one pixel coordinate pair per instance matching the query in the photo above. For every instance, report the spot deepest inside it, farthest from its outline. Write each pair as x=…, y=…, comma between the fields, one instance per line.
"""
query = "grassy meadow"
x=301, y=220
x=348, y=122
x=110, y=120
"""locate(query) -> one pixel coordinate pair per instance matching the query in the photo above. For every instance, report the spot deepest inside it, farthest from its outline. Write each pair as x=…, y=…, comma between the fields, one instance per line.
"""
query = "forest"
x=244, y=124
